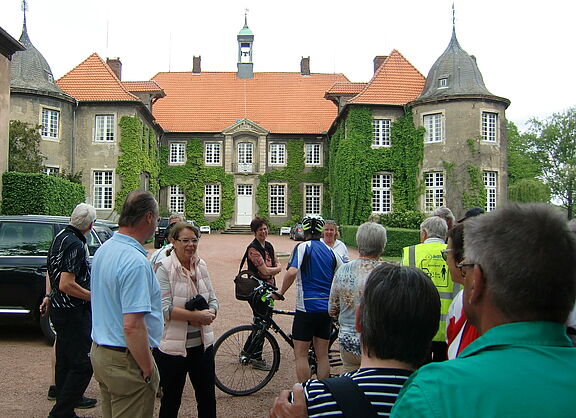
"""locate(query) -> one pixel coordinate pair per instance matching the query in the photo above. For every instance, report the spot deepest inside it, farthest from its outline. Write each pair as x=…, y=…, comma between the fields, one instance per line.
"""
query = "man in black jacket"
x=69, y=273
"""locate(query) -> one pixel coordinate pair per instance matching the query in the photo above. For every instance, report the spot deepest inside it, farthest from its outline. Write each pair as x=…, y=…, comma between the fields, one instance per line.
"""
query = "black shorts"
x=311, y=324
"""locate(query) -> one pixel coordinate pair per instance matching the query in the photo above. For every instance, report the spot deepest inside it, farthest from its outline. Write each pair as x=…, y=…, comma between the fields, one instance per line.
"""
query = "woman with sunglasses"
x=189, y=306
x=459, y=332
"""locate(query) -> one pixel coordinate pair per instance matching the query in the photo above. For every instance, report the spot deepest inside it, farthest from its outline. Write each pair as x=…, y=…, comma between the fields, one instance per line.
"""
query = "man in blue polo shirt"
x=127, y=313
x=312, y=265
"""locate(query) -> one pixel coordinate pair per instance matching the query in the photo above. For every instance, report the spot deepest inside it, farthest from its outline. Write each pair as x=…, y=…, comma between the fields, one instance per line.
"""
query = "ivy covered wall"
x=191, y=177
x=139, y=153
x=353, y=161
x=295, y=175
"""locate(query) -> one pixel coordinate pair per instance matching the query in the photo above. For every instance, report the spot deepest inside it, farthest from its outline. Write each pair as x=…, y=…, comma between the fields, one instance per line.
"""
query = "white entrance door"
x=244, y=204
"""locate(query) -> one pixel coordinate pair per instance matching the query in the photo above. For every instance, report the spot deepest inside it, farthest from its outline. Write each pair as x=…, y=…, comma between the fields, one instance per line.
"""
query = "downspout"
x=73, y=142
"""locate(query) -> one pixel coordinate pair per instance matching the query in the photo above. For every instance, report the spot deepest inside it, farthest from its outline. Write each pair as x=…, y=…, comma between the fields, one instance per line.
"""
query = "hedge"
x=398, y=238
x=39, y=194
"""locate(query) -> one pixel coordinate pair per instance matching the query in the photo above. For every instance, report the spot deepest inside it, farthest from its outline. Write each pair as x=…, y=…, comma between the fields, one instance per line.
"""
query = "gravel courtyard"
x=25, y=357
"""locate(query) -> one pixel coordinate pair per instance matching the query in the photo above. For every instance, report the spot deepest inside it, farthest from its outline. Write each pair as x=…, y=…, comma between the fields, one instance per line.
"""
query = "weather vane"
x=24, y=9
x=246, y=16
x=453, y=16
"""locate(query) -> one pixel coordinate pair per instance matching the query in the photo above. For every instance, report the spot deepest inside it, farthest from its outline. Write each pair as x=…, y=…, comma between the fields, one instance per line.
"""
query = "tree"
x=529, y=190
x=523, y=162
x=554, y=139
x=24, y=148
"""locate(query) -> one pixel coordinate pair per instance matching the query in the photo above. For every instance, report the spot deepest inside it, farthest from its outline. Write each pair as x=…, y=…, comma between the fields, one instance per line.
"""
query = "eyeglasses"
x=462, y=265
x=445, y=253
x=187, y=241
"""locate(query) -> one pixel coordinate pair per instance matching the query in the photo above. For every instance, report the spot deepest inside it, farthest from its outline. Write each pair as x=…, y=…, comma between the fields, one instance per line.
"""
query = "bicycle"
x=248, y=356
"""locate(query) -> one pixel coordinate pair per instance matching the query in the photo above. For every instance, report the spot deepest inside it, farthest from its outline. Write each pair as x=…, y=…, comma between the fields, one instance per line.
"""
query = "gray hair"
x=175, y=216
x=435, y=227
x=82, y=216
x=526, y=253
x=371, y=239
x=446, y=214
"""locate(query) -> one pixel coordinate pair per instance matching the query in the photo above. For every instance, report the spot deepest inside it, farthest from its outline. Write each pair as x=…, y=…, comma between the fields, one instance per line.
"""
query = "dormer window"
x=49, y=76
x=443, y=82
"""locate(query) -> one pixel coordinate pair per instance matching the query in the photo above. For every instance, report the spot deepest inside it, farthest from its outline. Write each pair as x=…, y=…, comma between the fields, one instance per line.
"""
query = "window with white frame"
x=381, y=130
x=176, y=199
x=51, y=171
x=443, y=82
x=212, y=199
x=313, y=199
x=104, y=130
x=50, y=123
x=491, y=186
x=177, y=152
x=382, y=193
x=434, y=128
x=245, y=153
x=313, y=154
x=277, y=154
x=103, y=189
x=434, y=192
x=212, y=153
x=277, y=193
x=489, y=125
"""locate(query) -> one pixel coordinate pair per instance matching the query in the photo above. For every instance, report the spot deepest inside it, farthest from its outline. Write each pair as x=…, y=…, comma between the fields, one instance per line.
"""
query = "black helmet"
x=313, y=224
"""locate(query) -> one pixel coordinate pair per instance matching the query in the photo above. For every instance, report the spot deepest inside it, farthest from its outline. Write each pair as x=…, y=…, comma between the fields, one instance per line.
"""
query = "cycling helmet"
x=313, y=224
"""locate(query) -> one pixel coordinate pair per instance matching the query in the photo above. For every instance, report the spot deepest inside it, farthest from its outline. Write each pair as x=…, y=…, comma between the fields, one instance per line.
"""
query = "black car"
x=24, y=244
x=297, y=233
x=159, y=233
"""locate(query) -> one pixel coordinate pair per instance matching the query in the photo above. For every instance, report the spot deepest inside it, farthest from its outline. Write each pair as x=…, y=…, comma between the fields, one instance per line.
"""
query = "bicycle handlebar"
x=270, y=287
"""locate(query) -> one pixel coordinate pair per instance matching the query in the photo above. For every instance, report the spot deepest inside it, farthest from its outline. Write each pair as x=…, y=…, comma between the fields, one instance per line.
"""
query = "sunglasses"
x=445, y=253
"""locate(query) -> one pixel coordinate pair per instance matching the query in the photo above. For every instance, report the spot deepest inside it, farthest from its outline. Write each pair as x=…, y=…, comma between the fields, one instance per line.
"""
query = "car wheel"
x=47, y=329
x=157, y=244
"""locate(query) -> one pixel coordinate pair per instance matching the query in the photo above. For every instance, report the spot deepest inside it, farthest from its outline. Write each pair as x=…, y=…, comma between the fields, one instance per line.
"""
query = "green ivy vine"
x=294, y=175
x=475, y=195
x=353, y=162
x=138, y=153
x=191, y=177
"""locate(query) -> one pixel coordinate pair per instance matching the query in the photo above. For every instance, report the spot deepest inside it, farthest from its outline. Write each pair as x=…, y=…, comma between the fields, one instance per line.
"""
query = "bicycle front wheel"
x=246, y=359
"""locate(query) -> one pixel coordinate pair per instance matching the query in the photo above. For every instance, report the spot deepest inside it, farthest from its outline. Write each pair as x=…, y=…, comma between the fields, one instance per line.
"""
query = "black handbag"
x=197, y=303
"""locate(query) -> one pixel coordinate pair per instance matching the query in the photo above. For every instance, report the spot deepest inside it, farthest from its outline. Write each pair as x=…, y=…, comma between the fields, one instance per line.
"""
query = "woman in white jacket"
x=187, y=342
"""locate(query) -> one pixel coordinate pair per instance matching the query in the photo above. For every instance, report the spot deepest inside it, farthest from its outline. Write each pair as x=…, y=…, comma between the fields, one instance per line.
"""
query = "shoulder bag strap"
x=349, y=397
x=244, y=259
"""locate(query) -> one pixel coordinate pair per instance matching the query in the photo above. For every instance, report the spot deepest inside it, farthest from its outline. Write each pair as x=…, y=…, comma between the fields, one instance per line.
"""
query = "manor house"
x=223, y=147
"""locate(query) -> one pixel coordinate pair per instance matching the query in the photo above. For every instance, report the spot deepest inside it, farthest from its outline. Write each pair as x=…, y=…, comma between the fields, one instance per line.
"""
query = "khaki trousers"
x=124, y=391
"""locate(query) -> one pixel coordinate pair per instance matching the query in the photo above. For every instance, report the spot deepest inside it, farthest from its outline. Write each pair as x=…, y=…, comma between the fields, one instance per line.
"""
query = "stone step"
x=238, y=229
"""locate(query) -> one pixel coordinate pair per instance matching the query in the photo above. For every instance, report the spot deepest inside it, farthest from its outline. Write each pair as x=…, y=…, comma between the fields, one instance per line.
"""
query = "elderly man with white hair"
x=69, y=274
x=427, y=256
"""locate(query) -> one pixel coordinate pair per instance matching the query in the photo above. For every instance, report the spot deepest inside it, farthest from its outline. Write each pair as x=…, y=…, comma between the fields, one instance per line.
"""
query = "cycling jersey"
x=316, y=264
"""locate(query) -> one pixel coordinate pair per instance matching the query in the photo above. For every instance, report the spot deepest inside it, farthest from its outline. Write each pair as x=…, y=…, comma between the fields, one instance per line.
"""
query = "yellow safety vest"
x=428, y=258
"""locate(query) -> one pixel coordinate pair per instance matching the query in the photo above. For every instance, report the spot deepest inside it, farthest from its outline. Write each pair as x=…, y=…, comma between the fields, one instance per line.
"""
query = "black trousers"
x=199, y=365
x=73, y=367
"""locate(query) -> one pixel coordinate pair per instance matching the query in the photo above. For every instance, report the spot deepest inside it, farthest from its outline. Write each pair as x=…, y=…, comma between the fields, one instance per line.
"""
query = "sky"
x=525, y=50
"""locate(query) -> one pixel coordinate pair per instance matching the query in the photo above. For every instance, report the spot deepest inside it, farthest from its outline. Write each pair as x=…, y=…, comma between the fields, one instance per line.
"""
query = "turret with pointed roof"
x=455, y=73
x=30, y=70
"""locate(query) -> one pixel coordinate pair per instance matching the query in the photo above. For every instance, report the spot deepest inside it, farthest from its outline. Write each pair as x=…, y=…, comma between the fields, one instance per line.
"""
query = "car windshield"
x=25, y=238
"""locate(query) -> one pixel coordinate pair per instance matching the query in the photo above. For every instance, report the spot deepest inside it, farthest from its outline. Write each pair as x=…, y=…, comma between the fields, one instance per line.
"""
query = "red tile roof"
x=346, y=88
x=141, y=86
x=93, y=80
x=213, y=101
x=396, y=82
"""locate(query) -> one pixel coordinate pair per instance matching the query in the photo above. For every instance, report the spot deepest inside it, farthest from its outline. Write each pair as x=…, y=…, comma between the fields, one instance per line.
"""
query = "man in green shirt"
x=519, y=286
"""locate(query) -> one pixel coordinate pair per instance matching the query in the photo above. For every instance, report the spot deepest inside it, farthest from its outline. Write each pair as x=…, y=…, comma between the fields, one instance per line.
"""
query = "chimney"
x=305, y=66
x=196, y=67
x=116, y=66
x=378, y=61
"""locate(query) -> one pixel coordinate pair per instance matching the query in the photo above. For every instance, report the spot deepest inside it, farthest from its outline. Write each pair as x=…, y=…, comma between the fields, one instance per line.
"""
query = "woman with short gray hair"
x=330, y=237
x=348, y=286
